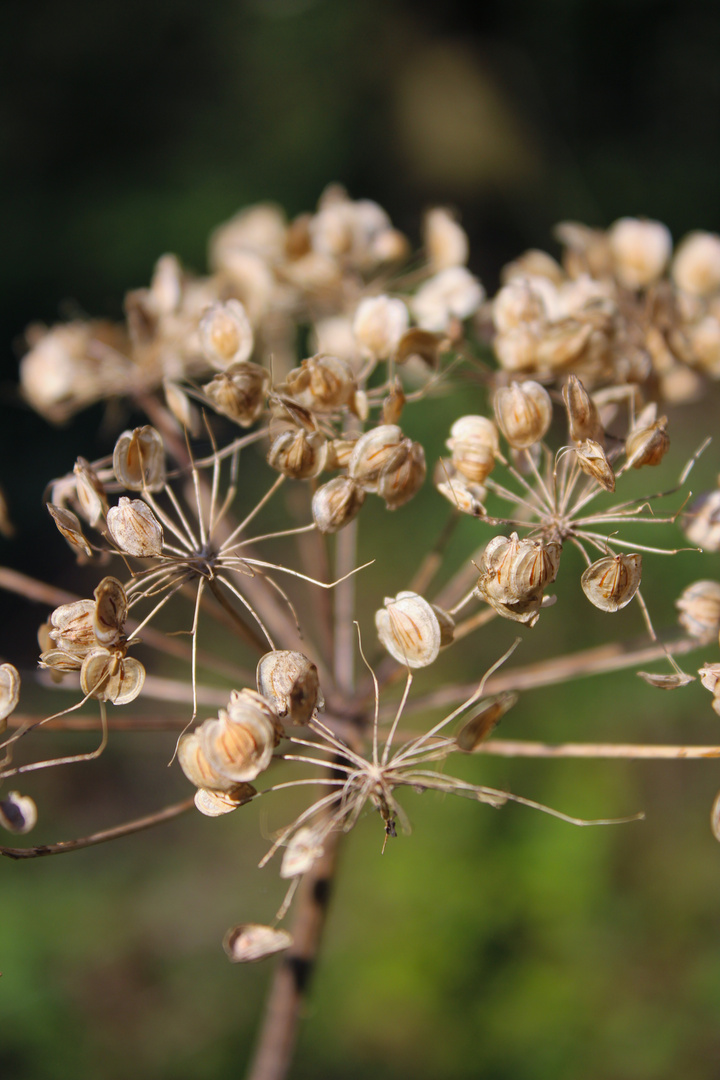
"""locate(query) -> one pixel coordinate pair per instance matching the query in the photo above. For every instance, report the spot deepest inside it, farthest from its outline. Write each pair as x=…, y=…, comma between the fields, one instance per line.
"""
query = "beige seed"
x=611, y=582
x=134, y=528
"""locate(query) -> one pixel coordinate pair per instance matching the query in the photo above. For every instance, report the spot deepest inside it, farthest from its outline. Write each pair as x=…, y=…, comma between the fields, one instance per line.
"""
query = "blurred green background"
x=497, y=944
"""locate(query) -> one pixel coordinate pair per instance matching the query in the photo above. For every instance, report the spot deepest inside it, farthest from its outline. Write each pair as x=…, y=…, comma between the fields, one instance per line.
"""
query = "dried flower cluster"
x=564, y=376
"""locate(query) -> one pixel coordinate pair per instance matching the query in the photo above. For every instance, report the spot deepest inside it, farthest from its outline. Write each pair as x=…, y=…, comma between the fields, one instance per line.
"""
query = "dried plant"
x=566, y=371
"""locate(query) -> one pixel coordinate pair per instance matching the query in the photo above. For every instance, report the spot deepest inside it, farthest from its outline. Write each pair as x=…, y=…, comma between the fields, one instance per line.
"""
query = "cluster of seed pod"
x=224, y=754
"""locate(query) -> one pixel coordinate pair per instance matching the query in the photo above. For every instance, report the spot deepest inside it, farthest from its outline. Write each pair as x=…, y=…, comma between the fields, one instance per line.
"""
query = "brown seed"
x=70, y=528
x=593, y=462
x=611, y=582
x=475, y=730
x=134, y=528
x=335, y=504
x=111, y=608
x=290, y=681
x=139, y=460
x=583, y=417
x=523, y=412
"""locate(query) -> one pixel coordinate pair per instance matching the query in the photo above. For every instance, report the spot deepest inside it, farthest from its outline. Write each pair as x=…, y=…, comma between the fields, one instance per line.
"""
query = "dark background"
x=502, y=945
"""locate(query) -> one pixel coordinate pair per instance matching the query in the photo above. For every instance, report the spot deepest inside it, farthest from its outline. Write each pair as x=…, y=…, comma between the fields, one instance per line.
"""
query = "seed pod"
x=109, y=676
x=611, y=582
x=640, y=251
x=239, y=392
x=139, y=460
x=666, y=682
x=70, y=528
x=457, y=489
x=217, y=803
x=446, y=242
x=72, y=629
x=179, y=405
x=235, y=747
x=523, y=412
x=18, y=813
x=379, y=324
x=422, y=344
x=9, y=692
x=593, y=462
x=583, y=418
x=321, y=383
x=110, y=613
x=393, y=404
x=340, y=452
x=699, y=607
x=298, y=454
x=381, y=450
x=303, y=850
x=452, y=293
x=701, y=524
x=251, y=941
x=475, y=444
x=335, y=504
x=696, y=265
x=290, y=681
x=515, y=570
x=397, y=486
x=412, y=630
x=226, y=335
x=90, y=492
x=648, y=440
x=710, y=676
x=475, y=730
x=134, y=528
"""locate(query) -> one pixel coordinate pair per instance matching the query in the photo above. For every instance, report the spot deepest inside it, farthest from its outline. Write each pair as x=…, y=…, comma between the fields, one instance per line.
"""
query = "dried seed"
x=593, y=462
x=298, y=454
x=290, y=681
x=134, y=528
x=413, y=630
x=583, y=418
x=701, y=524
x=110, y=613
x=302, y=851
x=475, y=730
x=251, y=941
x=699, y=607
x=90, y=492
x=216, y=803
x=139, y=460
x=666, y=682
x=70, y=527
x=239, y=392
x=226, y=334
x=9, y=692
x=109, y=676
x=18, y=813
x=335, y=504
x=611, y=582
x=523, y=412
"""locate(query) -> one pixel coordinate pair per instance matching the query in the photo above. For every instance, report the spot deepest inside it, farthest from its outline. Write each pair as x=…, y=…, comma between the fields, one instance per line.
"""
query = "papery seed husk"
x=297, y=454
x=290, y=681
x=647, y=446
x=72, y=627
x=611, y=582
x=381, y=450
x=592, y=460
x=18, y=813
x=421, y=343
x=336, y=504
x=60, y=661
x=321, y=383
x=239, y=392
x=134, y=528
x=666, y=682
x=583, y=417
x=107, y=676
x=409, y=629
x=475, y=730
x=701, y=524
x=710, y=676
x=179, y=405
x=465, y=496
x=69, y=526
x=523, y=412
x=9, y=692
x=90, y=492
x=393, y=404
x=237, y=750
x=111, y=608
x=226, y=334
x=196, y=767
x=216, y=803
x=250, y=704
x=699, y=607
x=302, y=851
x=139, y=460
x=251, y=941
x=398, y=486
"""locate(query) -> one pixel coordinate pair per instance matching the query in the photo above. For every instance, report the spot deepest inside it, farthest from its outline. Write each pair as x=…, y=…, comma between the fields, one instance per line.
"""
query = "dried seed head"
x=451, y=294
x=446, y=242
x=18, y=813
x=648, y=440
x=474, y=443
x=109, y=676
x=412, y=630
x=640, y=251
x=290, y=681
x=523, y=412
x=321, y=383
x=139, y=460
x=381, y=450
x=298, y=454
x=514, y=573
x=251, y=941
x=239, y=392
x=696, y=265
x=701, y=524
x=9, y=692
x=593, y=462
x=235, y=747
x=69, y=526
x=90, y=492
x=699, y=607
x=397, y=486
x=379, y=324
x=134, y=528
x=304, y=849
x=110, y=613
x=226, y=335
x=217, y=803
x=611, y=582
x=335, y=504
x=465, y=496
x=583, y=417
x=475, y=730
